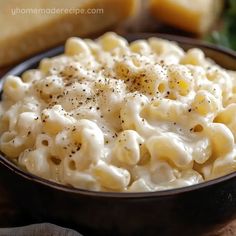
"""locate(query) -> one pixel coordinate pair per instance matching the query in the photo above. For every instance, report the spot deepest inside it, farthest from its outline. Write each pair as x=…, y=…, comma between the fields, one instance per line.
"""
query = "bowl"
x=193, y=210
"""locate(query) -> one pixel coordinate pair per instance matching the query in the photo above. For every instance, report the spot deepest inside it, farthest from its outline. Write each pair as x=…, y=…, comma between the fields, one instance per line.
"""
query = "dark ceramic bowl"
x=194, y=210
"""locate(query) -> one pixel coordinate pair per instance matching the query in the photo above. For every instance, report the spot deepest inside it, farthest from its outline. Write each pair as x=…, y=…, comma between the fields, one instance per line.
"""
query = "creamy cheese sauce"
x=112, y=116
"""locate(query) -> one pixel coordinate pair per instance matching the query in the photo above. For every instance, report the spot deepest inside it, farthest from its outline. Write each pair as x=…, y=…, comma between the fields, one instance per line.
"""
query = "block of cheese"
x=28, y=27
x=196, y=16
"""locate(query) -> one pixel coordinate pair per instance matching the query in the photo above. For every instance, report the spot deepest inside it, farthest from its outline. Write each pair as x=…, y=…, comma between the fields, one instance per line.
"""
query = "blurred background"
x=29, y=27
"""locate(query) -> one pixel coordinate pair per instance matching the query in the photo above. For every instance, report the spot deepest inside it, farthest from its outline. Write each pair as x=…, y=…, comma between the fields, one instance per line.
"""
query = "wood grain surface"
x=228, y=230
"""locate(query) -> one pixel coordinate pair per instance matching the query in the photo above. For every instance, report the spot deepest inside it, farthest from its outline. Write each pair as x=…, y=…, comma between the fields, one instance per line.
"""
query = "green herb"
x=227, y=35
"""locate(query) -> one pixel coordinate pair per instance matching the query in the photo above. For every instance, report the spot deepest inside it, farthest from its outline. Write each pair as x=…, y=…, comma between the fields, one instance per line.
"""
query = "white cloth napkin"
x=45, y=229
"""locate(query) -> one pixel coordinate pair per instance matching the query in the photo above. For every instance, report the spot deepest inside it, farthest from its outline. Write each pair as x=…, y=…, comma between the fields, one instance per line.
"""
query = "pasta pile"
x=112, y=116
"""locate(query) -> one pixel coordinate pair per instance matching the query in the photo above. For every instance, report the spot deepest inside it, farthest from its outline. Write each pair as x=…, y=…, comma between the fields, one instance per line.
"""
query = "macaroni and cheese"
x=112, y=116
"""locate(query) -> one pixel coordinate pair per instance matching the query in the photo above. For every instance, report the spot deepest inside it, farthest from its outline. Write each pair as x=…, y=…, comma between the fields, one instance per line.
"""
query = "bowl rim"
x=33, y=61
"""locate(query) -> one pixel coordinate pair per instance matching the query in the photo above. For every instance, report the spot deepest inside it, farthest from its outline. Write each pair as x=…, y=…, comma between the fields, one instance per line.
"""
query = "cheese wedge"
x=28, y=27
x=196, y=16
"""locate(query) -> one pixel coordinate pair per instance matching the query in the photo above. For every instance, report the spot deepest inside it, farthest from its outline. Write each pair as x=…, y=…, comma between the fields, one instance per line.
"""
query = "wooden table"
x=229, y=230
x=2, y=71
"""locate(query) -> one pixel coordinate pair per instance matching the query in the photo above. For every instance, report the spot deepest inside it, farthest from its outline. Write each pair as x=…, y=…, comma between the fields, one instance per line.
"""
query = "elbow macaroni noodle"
x=112, y=116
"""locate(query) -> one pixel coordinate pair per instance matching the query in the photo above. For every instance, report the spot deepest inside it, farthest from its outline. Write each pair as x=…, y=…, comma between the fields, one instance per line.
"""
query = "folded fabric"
x=45, y=229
